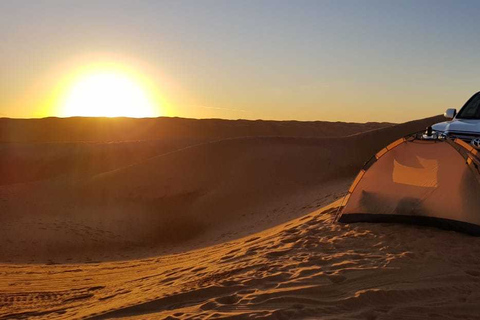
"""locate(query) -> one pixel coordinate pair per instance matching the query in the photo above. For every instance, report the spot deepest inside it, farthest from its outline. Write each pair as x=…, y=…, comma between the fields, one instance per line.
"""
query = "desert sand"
x=232, y=225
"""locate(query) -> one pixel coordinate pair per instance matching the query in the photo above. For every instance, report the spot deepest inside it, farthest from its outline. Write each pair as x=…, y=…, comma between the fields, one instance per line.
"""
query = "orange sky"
x=307, y=60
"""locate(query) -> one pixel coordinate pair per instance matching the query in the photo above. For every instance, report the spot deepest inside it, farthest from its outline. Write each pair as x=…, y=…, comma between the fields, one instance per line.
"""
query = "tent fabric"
x=429, y=182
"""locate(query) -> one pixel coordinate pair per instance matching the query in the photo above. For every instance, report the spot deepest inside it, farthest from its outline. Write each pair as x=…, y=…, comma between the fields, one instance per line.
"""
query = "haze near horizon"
x=279, y=60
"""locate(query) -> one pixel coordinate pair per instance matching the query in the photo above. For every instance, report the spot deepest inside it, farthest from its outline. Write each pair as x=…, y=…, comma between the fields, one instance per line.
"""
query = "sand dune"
x=29, y=162
x=128, y=129
x=239, y=228
x=39, y=149
x=191, y=195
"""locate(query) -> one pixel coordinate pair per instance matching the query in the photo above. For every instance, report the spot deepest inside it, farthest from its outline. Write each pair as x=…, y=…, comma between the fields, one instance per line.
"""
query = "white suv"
x=465, y=124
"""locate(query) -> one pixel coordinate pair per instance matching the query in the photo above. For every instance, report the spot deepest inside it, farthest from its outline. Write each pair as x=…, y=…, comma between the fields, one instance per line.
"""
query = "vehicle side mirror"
x=450, y=113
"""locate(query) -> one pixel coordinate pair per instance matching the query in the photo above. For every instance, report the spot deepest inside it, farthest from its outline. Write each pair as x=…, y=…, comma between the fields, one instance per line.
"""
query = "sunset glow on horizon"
x=309, y=60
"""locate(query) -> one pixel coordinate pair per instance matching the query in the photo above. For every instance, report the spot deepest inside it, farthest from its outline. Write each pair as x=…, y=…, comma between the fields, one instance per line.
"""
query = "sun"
x=107, y=94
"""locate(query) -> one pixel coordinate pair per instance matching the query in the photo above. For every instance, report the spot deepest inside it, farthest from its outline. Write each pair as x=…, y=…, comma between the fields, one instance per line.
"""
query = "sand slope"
x=190, y=196
x=306, y=268
x=30, y=162
x=52, y=148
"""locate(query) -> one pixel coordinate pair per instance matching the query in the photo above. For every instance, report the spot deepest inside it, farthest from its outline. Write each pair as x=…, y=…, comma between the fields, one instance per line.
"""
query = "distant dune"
x=83, y=129
x=111, y=199
x=39, y=149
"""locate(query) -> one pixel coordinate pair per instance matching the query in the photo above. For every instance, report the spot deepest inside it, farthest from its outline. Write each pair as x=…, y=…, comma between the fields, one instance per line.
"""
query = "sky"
x=340, y=60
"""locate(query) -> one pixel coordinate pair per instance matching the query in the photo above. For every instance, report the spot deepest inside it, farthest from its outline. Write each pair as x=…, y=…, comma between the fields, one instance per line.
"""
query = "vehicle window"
x=471, y=110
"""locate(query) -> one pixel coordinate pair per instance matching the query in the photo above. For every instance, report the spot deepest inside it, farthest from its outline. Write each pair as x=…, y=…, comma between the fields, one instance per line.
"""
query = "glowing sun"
x=107, y=94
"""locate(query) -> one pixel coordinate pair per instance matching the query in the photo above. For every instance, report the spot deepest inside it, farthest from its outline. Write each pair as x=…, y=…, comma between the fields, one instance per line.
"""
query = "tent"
x=432, y=182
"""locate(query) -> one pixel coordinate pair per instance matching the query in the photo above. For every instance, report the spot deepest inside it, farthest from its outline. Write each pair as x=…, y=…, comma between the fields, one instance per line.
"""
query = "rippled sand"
x=309, y=267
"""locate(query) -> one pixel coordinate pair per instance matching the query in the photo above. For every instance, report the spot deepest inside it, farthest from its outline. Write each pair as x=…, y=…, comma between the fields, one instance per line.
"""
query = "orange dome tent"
x=414, y=180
